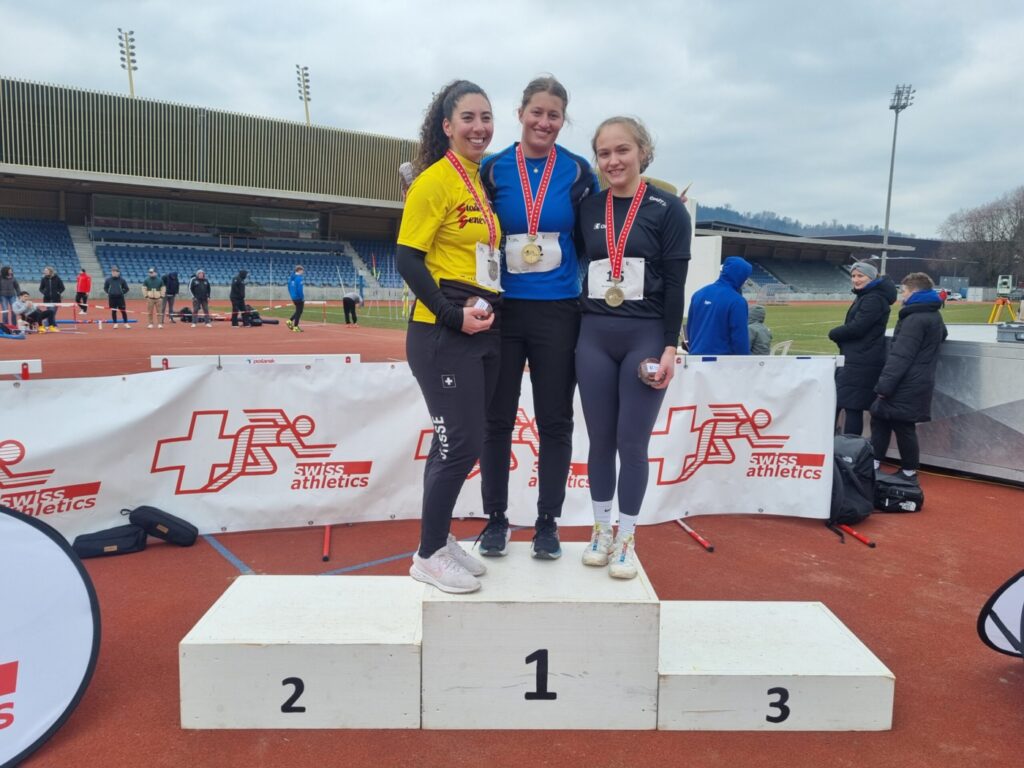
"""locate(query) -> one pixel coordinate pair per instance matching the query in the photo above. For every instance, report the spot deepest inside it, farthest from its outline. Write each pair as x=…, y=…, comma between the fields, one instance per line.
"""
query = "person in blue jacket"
x=717, y=322
x=535, y=187
x=298, y=295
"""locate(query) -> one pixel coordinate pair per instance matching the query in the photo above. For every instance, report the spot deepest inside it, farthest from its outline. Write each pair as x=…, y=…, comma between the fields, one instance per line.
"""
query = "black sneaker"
x=545, y=540
x=493, y=539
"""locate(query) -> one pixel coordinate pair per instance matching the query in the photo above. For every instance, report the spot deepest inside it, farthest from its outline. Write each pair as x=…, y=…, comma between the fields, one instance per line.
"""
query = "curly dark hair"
x=433, y=141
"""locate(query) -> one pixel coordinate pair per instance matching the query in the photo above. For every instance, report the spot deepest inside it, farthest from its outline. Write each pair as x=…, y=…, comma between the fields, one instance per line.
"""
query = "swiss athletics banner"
x=246, y=448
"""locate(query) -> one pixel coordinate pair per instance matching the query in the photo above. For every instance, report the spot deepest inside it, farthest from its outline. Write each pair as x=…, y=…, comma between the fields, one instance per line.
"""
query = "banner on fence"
x=246, y=448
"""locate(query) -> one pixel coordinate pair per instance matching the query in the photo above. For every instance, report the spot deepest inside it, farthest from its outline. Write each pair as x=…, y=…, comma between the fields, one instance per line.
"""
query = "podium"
x=543, y=645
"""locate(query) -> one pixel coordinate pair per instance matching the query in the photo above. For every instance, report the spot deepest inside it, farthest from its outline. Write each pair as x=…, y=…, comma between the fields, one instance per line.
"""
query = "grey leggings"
x=619, y=409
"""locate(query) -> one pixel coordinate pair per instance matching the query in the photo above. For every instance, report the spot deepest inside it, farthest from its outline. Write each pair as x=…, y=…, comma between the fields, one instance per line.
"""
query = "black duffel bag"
x=163, y=525
x=120, y=540
x=897, y=493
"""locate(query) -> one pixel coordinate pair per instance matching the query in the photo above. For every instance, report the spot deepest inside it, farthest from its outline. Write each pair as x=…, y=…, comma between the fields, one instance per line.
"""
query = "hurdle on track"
x=181, y=361
x=21, y=368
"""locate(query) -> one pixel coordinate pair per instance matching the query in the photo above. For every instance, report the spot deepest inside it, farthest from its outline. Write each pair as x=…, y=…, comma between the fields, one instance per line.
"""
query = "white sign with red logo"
x=245, y=448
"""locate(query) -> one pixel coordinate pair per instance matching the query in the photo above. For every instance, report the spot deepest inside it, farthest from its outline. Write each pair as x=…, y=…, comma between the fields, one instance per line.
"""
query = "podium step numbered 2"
x=543, y=645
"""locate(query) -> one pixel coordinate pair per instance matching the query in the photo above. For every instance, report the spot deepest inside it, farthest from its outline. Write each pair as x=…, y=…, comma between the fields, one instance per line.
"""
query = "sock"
x=627, y=525
x=908, y=472
x=602, y=513
x=877, y=463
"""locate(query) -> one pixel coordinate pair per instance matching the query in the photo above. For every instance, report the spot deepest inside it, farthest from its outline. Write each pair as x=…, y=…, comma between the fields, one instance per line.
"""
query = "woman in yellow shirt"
x=448, y=254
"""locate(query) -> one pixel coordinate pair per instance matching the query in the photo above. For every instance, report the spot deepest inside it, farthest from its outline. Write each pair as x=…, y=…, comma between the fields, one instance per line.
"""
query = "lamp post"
x=902, y=98
x=126, y=42
x=302, y=78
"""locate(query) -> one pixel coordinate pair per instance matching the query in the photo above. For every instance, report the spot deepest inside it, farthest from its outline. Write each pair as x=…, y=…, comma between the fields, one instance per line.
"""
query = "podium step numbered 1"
x=543, y=645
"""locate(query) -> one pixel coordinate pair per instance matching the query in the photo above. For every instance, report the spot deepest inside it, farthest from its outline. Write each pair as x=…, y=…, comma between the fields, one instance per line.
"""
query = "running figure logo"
x=524, y=432
x=11, y=453
x=714, y=437
x=251, y=450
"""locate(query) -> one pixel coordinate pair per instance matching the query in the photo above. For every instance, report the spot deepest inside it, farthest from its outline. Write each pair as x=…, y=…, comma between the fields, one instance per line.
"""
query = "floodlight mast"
x=902, y=98
x=126, y=44
x=302, y=78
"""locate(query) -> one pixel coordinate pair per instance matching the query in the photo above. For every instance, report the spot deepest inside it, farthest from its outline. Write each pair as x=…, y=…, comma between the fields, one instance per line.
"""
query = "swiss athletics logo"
x=8, y=687
x=28, y=491
x=253, y=450
x=714, y=441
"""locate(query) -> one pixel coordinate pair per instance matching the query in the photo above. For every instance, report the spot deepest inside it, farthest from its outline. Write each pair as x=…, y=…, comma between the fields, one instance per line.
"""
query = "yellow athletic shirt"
x=442, y=219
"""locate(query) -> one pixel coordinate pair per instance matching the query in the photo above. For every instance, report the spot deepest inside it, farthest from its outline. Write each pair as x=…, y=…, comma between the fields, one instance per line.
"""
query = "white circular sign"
x=49, y=635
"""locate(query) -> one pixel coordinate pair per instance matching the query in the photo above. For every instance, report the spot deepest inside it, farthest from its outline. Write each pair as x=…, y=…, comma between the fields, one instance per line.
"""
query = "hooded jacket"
x=295, y=286
x=52, y=288
x=717, y=324
x=9, y=287
x=861, y=340
x=171, y=284
x=115, y=285
x=238, y=287
x=760, y=334
x=199, y=287
x=908, y=378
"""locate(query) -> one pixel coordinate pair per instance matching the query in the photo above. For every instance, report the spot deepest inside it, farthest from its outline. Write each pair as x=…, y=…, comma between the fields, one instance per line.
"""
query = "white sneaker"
x=600, y=546
x=151, y=325
x=622, y=564
x=127, y=327
x=443, y=571
x=193, y=325
x=161, y=325
x=463, y=558
x=209, y=325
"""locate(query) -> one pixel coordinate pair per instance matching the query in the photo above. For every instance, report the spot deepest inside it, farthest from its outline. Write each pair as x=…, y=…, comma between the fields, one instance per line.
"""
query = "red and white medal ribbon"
x=616, y=250
x=485, y=210
x=534, y=204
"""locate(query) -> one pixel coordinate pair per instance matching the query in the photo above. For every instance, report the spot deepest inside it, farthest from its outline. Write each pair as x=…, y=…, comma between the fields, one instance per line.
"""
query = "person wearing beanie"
x=861, y=340
x=907, y=381
x=153, y=289
x=199, y=287
x=717, y=323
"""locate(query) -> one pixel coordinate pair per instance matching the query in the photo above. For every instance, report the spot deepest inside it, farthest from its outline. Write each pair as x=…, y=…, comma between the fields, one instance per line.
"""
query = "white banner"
x=254, y=447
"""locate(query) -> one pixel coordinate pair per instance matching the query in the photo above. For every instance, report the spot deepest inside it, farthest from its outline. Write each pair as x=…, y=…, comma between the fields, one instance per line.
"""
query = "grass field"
x=807, y=325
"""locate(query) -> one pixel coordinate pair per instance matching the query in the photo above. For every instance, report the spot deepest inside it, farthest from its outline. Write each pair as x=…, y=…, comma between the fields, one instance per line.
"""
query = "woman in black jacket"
x=52, y=289
x=908, y=380
x=861, y=340
x=237, y=297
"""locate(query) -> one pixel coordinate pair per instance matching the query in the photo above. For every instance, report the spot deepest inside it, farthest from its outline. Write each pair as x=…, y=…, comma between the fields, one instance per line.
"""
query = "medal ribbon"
x=485, y=210
x=534, y=204
x=617, y=250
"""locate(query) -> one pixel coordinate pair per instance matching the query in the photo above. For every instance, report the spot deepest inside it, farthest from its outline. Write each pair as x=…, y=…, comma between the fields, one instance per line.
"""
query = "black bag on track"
x=185, y=315
x=853, y=480
x=163, y=525
x=113, y=541
x=895, y=493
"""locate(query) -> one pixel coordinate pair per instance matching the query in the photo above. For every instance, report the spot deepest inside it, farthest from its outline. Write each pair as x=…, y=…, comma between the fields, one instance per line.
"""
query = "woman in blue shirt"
x=535, y=187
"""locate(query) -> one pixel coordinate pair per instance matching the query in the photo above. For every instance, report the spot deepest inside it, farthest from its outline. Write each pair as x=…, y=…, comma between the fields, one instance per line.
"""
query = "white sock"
x=602, y=513
x=908, y=472
x=627, y=525
x=877, y=463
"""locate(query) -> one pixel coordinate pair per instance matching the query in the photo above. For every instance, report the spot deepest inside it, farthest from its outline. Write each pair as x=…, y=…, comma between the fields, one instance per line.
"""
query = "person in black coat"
x=52, y=289
x=237, y=297
x=861, y=340
x=171, y=287
x=908, y=379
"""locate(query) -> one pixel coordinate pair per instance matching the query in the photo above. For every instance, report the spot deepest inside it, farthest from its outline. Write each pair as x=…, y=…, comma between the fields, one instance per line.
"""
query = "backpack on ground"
x=252, y=317
x=897, y=493
x=185, y=315
x=853, y=480
x=163, y=525
x=120, y=540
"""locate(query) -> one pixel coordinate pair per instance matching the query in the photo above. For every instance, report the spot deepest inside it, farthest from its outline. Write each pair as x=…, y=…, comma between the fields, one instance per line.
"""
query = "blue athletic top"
x=571, y=181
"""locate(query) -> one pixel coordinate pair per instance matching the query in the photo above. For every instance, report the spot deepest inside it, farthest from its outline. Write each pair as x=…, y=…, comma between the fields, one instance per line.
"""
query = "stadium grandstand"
x=94, y=180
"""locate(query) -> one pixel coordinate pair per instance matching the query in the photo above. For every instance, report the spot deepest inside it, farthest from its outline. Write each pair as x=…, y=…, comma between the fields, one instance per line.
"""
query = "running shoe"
x=600, y=546
x=444, y=572
x=493, y=539
x=622, y=564
x=545, y=539
x=463, y=558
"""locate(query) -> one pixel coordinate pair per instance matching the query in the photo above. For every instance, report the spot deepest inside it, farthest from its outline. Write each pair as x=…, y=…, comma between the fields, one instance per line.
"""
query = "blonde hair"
x=639, y=133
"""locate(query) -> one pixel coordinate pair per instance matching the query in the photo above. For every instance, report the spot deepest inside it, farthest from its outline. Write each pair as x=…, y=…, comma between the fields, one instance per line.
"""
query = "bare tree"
x=991, y=236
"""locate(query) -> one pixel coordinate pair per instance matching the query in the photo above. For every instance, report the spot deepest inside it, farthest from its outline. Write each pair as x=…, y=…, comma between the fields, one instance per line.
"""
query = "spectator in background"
x=907, y=381
x=199, y=287
x=171, y=288
x=350, y=301
x=237, y=297
x=33, y=315
x=760, y=334
x=296, y=291
x=717, y=324
x=116, y=289
x=82, y=287
x=153, y=290
x=9, y=290
x=52, y=289
x=861, y=340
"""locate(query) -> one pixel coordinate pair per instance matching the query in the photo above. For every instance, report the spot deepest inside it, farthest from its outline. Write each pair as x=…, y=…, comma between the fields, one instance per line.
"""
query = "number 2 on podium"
x=542, y=693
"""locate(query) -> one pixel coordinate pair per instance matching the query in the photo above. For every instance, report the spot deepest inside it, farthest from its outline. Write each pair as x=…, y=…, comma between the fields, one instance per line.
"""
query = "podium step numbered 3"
x=543, y=645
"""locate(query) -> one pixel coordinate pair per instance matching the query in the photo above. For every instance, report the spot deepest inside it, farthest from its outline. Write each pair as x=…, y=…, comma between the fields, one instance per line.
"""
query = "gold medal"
x=614, y=296
x=492, y=269
x=531, y=253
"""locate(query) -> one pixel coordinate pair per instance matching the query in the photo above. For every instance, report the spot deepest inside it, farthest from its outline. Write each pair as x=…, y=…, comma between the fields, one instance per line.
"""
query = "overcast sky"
x=779, y=106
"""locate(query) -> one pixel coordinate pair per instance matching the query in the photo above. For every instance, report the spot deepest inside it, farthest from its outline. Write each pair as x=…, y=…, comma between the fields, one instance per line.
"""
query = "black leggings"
x=350, y=310
x=117, y=303
x=543, y=333
x=457, y=375
x=620, y=410
x=853, y=423
x=297, y=314
x=238, y=312
x=906, y=441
